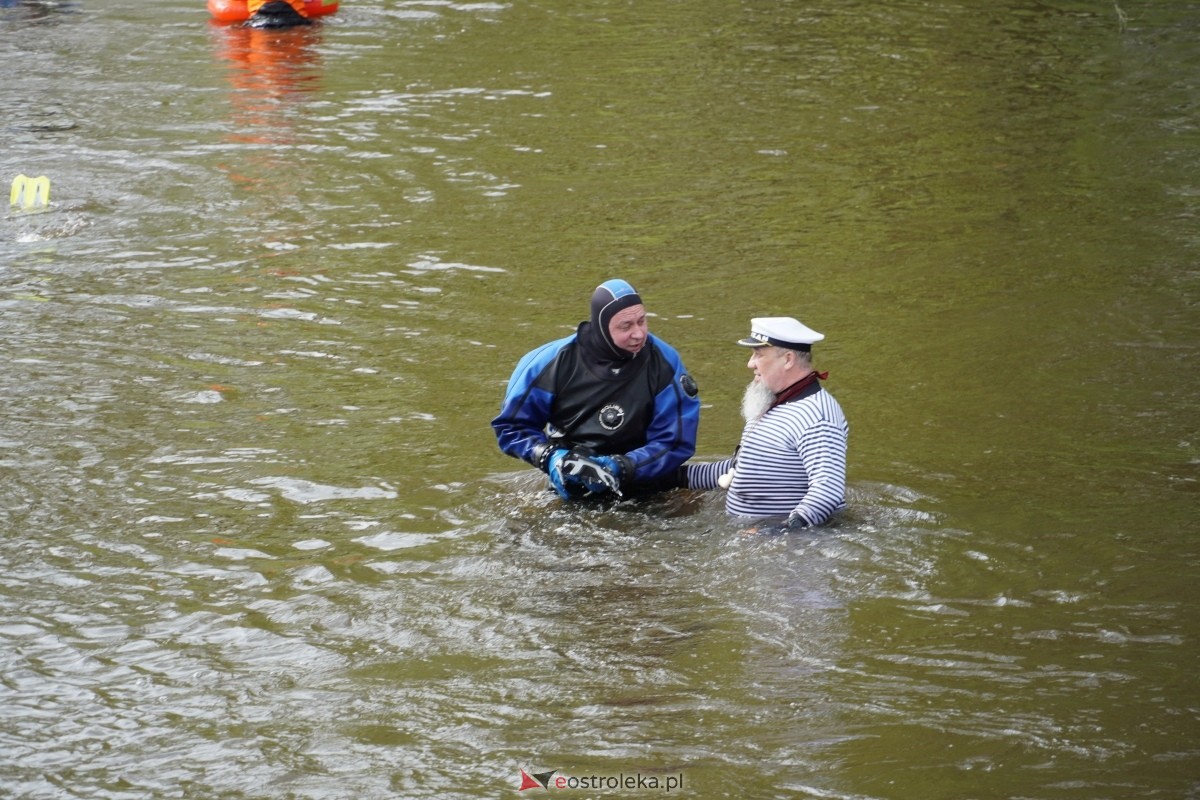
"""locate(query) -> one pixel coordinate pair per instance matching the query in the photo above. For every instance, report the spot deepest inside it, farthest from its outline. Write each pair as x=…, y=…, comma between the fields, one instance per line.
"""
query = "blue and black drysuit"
x=643, y=410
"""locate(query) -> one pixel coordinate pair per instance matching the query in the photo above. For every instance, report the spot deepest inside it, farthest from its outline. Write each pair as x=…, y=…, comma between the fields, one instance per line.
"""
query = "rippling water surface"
x=258, y=541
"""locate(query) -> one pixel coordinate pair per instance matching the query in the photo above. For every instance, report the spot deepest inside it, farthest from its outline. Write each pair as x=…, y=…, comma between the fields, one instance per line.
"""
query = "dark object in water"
x=277, y=14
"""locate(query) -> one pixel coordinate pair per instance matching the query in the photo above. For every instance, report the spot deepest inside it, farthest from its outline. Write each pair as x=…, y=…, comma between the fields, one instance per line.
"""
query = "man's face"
x=628, y=328
x=770, y=367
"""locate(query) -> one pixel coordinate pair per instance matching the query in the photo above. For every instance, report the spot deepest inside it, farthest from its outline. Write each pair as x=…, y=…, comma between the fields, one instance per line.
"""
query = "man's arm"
x=520, y=427
x=706, y=475
x=822, y=451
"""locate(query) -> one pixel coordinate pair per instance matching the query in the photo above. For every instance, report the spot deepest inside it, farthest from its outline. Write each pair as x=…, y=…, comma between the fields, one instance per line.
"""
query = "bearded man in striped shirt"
x=792, y=458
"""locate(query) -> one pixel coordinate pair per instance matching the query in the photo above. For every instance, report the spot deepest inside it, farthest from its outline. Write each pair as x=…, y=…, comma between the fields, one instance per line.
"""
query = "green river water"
x=256, y=538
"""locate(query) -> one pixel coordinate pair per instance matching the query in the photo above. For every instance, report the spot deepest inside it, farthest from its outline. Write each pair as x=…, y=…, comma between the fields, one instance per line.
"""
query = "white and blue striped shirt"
x=792, y=460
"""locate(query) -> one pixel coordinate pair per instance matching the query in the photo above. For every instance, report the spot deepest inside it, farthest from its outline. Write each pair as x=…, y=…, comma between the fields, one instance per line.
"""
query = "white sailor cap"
x=781, y=332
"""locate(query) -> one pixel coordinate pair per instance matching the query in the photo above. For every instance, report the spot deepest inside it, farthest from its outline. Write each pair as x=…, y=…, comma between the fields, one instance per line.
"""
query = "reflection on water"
x=268, y=70
x=259, y=541
x=271, y=72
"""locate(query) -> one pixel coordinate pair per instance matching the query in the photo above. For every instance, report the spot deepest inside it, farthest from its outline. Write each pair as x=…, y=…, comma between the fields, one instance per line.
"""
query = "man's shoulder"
x=664, y=350
x=539, y=358
x=549, y=349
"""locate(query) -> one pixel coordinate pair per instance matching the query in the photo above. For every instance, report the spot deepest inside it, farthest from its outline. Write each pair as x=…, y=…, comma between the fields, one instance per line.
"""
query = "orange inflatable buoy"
x=239, y=10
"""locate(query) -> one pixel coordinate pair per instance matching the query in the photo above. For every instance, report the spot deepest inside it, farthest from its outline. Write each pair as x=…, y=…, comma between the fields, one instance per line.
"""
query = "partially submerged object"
x=273, y=14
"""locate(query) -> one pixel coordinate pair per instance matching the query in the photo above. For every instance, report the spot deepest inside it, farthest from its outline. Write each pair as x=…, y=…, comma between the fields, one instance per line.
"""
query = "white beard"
x=756, y=401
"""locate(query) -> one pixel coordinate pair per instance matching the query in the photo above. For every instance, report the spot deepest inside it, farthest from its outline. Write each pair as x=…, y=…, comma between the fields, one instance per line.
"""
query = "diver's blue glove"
x=597, y=474
x=554, y=469
x=614, y=468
